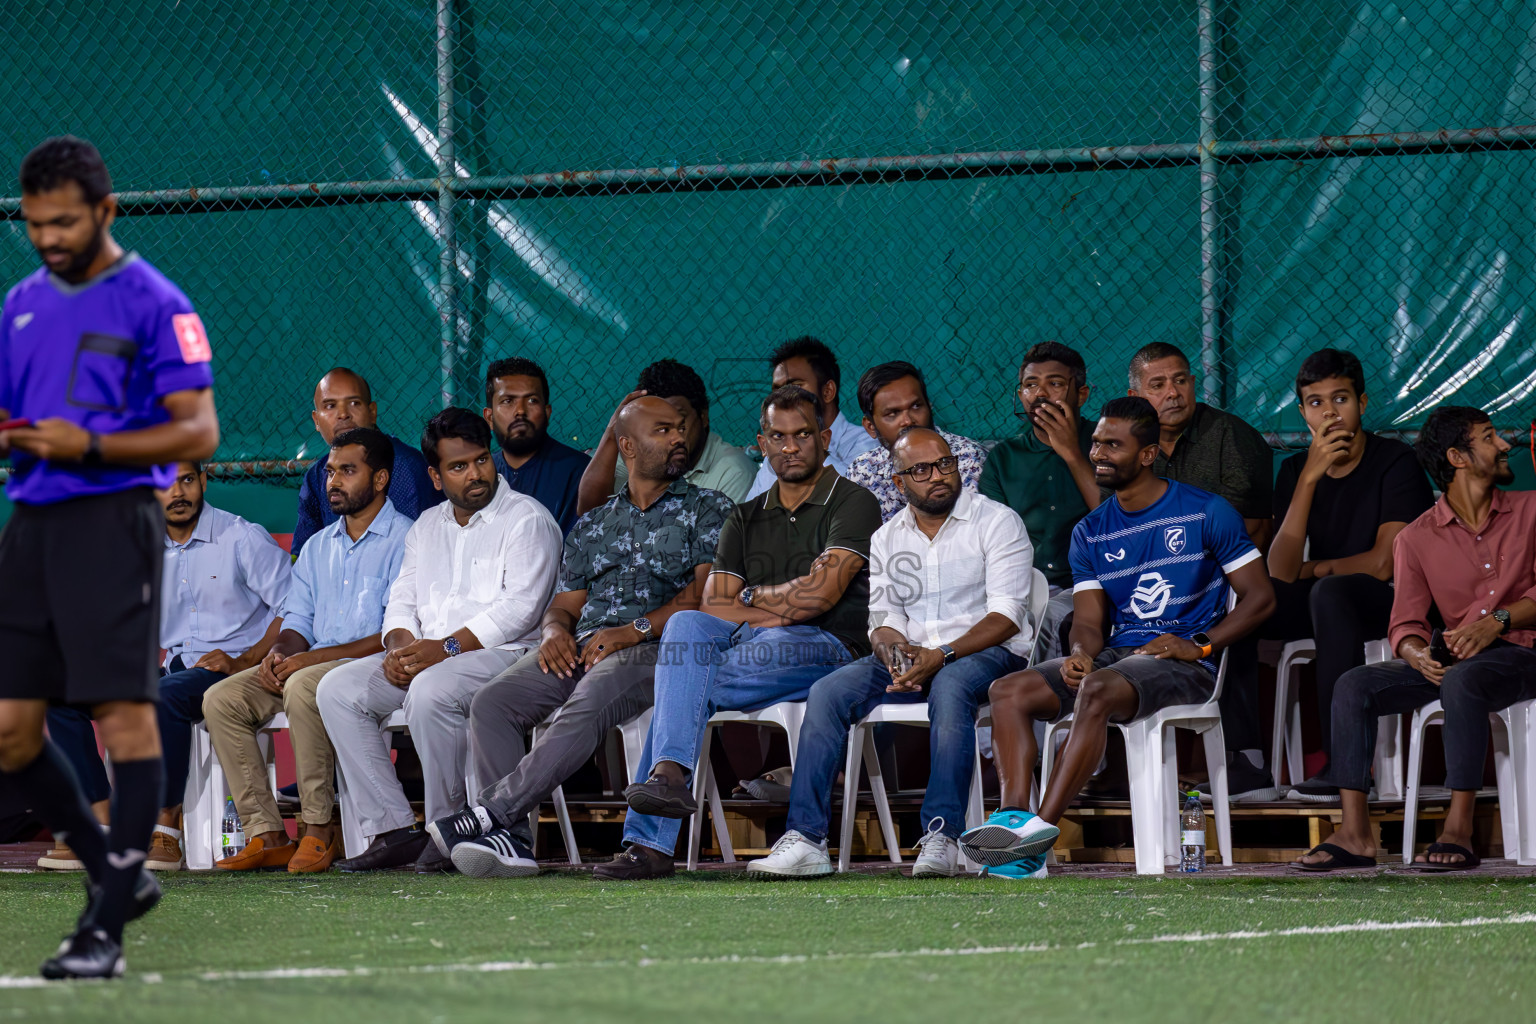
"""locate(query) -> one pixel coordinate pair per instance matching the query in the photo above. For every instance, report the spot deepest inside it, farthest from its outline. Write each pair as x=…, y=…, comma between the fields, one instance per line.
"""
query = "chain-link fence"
x=415, y=188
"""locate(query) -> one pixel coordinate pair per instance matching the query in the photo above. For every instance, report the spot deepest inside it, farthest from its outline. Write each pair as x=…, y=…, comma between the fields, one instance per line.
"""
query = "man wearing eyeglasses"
x=1044, y=474
x=786, y=602
x=947, y=617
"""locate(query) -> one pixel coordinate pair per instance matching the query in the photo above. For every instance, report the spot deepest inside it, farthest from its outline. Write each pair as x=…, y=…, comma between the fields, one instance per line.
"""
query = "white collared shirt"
x=849, y=441
x=934, y=591
x=494, y=574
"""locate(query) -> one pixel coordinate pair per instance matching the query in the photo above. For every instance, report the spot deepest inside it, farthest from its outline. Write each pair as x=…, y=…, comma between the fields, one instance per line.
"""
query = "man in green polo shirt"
x=1044, y=474
x=786, y=603
x=713, y=463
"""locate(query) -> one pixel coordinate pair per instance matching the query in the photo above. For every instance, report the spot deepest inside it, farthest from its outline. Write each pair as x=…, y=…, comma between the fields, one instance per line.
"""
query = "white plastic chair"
x=1387, y=762
x=633, y=733
x=788, y=716
x=207, y=793
x=1513, y=745
x=861, y=740
x=1286, y=738
x=1152, y=762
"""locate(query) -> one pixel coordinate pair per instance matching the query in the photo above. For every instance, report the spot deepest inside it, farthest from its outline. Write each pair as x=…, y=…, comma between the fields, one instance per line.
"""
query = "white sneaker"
x=793, y=856
x=938, y=856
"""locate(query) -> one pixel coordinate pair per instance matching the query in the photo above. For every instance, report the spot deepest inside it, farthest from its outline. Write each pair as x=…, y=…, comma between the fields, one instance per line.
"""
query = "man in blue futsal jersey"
x=104, y=386
x=1154, y=565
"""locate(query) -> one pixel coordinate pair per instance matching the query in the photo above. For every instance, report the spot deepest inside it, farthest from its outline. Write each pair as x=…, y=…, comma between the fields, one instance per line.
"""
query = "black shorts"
x=80, y=599
x=1159, y=683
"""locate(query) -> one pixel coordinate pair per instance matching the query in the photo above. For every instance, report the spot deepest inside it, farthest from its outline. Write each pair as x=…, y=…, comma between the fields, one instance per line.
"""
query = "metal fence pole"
x=1212, y=255
x=448, y=259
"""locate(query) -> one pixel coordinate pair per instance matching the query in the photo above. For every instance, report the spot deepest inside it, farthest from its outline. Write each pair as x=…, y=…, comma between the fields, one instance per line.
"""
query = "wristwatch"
x=948, y=652
x=1204, y=642
x=746, y=595
x=451, y=645
x=1502, y=614
x=92, y=456
x=643, y=627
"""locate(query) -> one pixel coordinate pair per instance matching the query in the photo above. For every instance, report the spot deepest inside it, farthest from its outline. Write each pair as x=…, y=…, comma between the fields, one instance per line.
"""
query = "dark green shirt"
x=1220, y=453
x=631, y=560
x=764, y=544
x=1030, y=478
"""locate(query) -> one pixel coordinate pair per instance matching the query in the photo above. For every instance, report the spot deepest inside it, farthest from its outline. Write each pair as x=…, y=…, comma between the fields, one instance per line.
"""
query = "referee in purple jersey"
x=105, y=383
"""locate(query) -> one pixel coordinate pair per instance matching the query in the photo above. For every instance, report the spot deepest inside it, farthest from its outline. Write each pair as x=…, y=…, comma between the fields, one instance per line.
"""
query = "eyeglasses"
x=923, y=470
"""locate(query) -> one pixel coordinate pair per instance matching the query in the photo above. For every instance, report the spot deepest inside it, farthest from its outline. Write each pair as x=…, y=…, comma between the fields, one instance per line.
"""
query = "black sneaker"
x=146, y=893
x=88, y=953
x=1316, y=790
x=497, y=854
x=661, y=798
x=1247, y=783
x=635, y=863
x=458, y=828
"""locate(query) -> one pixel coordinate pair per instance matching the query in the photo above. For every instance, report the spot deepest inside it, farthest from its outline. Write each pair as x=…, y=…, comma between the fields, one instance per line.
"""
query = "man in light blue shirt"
x=222, y=583
x=333, y=614
x=808, y=363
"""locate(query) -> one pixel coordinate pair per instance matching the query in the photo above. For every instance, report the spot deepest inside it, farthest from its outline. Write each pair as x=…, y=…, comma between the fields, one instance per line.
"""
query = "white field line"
x=501, y=966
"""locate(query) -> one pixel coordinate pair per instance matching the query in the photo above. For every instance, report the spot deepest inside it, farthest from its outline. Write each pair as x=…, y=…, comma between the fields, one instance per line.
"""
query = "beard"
x=184, y=513
x=522, y=444
x=342, y=505
x=1503, y=475
x=1116, y=478
x=472, y=499
x=935, y=506
x=80, y=261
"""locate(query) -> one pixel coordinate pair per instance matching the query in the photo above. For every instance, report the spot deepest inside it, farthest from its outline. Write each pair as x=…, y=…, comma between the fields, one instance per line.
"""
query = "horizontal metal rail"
x=804, y=173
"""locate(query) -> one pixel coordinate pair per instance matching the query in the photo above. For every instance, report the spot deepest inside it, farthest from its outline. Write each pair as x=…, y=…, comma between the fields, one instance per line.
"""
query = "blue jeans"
x=180, y=705
x=851, y=692
x=707, y=665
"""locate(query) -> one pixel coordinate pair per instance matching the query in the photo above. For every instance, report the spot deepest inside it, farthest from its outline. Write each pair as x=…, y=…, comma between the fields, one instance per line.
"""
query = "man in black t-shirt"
x=1338, y=507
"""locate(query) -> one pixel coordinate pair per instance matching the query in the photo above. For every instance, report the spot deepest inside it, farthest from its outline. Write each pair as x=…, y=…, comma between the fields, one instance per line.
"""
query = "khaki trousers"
x=236, y=708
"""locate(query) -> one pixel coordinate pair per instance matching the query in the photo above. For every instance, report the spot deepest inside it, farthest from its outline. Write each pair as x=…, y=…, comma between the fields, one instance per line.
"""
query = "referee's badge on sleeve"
x=192, y=338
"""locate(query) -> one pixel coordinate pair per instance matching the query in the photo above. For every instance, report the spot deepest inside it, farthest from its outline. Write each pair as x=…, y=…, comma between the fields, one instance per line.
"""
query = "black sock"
x=1015, y=810
x=49, y=787
x=136, y=788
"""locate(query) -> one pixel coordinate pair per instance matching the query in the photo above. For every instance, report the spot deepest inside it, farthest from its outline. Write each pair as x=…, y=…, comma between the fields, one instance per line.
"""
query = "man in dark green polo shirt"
x=1044, y=474
x=1217, y=452
x=1203, y=446
x=630, y=565
x=786, y=603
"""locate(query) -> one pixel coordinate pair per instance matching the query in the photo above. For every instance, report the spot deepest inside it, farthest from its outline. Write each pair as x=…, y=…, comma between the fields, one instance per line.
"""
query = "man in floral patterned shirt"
x=629, y=565
x=893, y=397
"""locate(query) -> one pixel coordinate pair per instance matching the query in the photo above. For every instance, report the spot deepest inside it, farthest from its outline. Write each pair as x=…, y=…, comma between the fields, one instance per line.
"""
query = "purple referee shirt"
x=101, y=354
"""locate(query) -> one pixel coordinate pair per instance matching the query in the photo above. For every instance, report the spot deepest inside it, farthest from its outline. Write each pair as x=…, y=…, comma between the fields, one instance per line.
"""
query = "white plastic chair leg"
x=882, y=800
x=851, y=759
x=1143, y=759
x=1388, y=761
x=202, y=803
x=1416, y=730
x=1509, y=786
x=1216, y=761
x=563, y=817
x=1522, y=750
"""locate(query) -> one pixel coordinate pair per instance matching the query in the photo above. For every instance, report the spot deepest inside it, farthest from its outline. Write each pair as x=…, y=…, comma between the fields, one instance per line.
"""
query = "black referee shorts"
x=80, y=599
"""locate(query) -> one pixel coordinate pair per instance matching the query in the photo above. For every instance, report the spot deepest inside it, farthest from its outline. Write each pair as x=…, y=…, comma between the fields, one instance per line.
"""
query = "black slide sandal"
x=1341, y=859
x=1470, y=860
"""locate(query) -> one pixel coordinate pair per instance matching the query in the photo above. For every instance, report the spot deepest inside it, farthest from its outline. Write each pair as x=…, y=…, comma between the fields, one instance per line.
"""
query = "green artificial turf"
x=718, y=947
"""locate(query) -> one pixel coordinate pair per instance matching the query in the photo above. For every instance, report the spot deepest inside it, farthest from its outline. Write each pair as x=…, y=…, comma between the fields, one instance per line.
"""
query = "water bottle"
x=233, y=839
x=1192, y=834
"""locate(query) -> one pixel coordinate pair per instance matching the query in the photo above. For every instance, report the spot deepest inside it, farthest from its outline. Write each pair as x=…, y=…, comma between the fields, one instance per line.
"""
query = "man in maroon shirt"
x=1473, y=557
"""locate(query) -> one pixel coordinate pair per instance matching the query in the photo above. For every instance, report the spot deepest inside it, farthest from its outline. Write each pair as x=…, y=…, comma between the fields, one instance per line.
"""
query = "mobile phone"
x=16, y=424
x=1439, y=650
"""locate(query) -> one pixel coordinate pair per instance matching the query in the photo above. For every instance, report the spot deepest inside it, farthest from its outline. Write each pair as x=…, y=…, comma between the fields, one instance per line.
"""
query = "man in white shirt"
x=477, y=573
x=949, y=588
x=808, y=363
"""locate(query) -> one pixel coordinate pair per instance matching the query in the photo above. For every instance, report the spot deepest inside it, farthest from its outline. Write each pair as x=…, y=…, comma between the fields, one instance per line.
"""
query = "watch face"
x=1201, y=640
x=643, y=625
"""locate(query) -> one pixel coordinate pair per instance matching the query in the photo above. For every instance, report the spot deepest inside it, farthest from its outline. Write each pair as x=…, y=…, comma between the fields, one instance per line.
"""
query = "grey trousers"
x=585, y=707
x=355, y=700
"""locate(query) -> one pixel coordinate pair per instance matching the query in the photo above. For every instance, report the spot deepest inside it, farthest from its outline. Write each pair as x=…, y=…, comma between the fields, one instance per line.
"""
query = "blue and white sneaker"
x=1008, y=836
x=1018, y=870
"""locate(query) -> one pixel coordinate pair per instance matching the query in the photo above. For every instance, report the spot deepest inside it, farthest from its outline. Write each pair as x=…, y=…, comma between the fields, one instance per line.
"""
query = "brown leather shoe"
x=315, y=856
x=256, y=856
x=60, y=858
x=165, y=852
